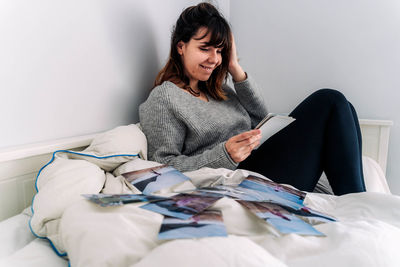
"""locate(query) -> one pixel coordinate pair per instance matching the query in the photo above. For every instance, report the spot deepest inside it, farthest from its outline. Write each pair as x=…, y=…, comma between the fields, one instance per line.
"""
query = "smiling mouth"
x=206, y=68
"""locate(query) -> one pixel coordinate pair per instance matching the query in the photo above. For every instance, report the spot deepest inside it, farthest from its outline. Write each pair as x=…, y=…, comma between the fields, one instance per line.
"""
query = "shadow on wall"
x=134, y=41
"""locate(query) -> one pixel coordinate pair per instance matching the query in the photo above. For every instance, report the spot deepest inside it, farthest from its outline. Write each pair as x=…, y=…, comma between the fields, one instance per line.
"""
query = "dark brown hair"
x=187, y=25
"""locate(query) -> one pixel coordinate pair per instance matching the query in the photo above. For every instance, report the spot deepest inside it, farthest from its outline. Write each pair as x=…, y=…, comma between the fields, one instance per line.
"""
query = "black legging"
x=324, y=137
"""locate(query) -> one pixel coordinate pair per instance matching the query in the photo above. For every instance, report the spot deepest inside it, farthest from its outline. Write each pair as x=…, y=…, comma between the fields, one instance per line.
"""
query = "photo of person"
x=249, y=194
x=284, y=221
x=261, y=184
x=236, y=192
x=154, y=179
x=182, y=206
x=205, y=224
x=105, y=200
x=316, y=216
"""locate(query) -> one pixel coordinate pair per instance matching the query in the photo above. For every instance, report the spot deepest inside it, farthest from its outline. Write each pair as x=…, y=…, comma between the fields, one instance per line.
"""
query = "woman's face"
x=198, y=59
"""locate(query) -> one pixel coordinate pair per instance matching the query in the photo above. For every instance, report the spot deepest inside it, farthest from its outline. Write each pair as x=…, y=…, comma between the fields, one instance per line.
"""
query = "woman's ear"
x=179, y=47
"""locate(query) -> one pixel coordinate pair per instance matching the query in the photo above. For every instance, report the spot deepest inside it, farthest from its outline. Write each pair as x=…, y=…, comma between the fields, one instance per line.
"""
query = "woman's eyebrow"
x=208, y=44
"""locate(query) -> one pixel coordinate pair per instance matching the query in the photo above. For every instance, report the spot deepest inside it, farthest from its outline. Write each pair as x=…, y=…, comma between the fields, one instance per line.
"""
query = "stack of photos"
x=284, y=221
x=182, y=206
x=154, y=179
x=106, y=200
x=204, y=224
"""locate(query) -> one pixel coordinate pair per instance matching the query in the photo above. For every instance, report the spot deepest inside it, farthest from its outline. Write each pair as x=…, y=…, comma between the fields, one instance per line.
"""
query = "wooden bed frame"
x=20, y=165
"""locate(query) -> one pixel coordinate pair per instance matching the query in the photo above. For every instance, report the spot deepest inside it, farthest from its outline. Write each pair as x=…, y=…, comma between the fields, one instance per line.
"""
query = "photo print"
x=154, y=179
x=264, y=185
x=205, y=224
x=284, y=221
x=182, y=206
x=106, y=200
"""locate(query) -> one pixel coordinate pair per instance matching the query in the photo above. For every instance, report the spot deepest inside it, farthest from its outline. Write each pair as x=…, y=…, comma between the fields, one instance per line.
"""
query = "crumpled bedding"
x=367, y=232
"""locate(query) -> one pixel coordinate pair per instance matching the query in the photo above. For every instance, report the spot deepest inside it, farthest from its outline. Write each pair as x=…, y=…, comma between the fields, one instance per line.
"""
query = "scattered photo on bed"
x=105, y=200
x=283, y=191
x=182, y=206
x=154, y=179
x=235, y=192
x=205, y=224
x=281, y=219
x=248, y=194
x=204, y=193
x=229, y=191
x=314, y=215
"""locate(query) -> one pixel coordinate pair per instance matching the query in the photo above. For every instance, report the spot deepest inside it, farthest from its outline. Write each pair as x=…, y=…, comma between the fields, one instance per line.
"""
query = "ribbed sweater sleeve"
x=166, y=131
x=251, y=99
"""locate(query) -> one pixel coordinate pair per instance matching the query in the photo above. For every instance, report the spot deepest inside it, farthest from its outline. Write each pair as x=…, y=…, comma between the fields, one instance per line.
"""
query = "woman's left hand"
x=234, y=68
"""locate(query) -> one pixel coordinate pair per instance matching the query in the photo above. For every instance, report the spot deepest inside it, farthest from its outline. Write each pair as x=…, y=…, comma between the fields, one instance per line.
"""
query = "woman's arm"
x=246, y=89
x=234, y=67
x=250, y=98
x=166, y=133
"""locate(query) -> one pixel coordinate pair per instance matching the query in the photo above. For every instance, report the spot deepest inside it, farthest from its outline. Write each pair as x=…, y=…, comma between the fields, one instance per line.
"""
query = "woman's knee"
x=330, y=95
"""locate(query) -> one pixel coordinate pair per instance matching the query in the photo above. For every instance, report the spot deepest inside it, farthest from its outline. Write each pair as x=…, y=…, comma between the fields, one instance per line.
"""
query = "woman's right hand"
x=239, y=147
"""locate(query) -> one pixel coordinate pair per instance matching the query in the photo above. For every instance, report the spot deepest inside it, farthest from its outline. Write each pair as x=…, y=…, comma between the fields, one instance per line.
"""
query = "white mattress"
x=18, y=247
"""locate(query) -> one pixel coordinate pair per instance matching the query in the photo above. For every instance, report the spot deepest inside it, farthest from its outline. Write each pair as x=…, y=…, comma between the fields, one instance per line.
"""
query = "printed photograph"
x=181, y=206
x=236, y=192
x=286, y=192
x=205, y=224
x=248, y=194
x=154, y=179
x=284, y=221
x=311, y=214
x=105, y=200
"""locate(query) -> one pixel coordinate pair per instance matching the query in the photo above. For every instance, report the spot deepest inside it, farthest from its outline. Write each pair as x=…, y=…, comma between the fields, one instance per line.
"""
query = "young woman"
x=192, y=119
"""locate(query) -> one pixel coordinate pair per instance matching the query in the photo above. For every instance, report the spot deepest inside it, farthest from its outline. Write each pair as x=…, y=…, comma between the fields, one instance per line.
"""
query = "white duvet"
x=367, y=233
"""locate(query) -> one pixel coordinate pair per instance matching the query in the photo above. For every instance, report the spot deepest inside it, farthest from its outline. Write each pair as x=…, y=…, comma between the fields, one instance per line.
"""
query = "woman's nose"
x=213, y=57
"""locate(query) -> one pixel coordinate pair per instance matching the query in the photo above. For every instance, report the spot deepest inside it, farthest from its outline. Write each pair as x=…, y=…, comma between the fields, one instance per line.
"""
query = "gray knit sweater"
x=188, y=133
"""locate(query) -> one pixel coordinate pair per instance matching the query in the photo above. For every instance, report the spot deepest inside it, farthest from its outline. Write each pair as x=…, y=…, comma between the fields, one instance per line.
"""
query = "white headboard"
x=375, y=140
x=20, y=165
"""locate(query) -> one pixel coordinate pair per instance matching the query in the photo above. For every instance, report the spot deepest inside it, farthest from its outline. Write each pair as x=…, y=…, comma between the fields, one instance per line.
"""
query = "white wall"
x=70, y=68
x=295, y=47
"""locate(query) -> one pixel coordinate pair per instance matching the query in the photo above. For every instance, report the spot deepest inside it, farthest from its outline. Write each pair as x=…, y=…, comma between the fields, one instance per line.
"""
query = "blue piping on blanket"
x=37, y=191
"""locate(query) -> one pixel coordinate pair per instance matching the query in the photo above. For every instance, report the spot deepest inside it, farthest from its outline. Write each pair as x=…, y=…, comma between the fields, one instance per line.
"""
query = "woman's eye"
x=219, y=51
x=203, y=49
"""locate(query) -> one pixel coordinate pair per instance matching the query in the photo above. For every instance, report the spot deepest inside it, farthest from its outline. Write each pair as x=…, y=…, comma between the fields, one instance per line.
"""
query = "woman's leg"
x=324, y=137
x=343, y=160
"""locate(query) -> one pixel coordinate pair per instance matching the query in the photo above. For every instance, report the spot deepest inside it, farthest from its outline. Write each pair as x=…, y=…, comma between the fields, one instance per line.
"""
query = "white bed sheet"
x=19, y=247
x=15, y=234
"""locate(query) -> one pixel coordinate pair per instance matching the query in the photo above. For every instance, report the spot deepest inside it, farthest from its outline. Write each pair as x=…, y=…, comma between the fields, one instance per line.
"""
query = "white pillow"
x=374, y=178
x=114, y=147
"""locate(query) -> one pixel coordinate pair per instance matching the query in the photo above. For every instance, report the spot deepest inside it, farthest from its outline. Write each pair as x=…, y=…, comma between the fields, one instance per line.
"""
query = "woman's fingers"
x=246, y=135
x=239, y=147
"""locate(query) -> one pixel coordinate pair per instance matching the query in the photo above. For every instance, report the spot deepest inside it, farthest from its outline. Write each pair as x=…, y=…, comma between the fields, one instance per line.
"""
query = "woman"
x=192, y=119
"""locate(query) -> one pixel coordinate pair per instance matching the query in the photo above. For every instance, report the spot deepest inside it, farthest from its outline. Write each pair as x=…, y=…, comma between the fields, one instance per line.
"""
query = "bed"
x=83, y=234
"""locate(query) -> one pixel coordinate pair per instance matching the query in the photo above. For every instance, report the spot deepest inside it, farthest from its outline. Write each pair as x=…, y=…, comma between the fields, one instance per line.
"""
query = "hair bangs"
x=220, y=34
